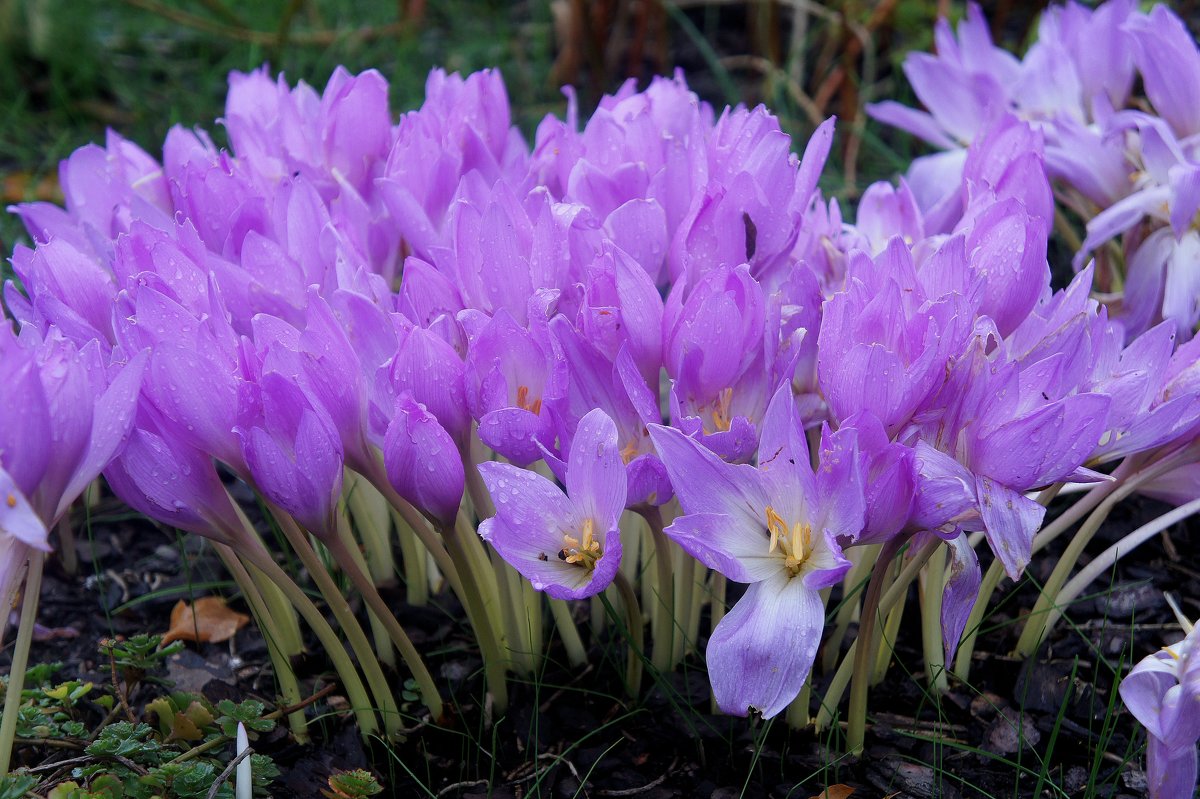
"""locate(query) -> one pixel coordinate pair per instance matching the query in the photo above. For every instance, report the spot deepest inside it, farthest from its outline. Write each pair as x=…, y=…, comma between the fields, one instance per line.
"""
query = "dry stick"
x=20, y=657
x=1110, y=556
x=224, y=775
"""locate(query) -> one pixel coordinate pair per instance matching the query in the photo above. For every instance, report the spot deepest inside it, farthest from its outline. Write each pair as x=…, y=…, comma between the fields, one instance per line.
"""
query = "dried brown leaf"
x=207, y=620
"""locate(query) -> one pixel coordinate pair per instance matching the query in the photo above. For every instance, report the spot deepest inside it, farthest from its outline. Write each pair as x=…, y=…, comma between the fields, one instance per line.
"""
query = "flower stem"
x=895, y=593
x=931, y=622
x=565, y=622
x=856, y=731
x=663, y=617
x=1035, y=624
x=20, y=658
x=635, y=634
x=345, y=619
x=485, y=632
x=1105, y=560
x=289, y=688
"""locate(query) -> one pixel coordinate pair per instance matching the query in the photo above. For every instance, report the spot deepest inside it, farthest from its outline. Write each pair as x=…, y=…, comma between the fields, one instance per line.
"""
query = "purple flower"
x=422, y=460
x=1162, y=693
x=21, y=529
x=777, y=527
x=566, y=544
x=713, y=346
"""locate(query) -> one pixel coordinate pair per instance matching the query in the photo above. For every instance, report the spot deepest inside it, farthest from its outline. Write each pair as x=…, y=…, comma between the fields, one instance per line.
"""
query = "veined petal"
x=706, y=484
x=960, y=594
x=1010, y=520
x=596, y=480
x=740, y=553
x=761, y=653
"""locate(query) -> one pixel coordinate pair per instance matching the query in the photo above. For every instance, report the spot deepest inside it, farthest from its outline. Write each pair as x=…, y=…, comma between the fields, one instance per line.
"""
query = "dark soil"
x=572, y=734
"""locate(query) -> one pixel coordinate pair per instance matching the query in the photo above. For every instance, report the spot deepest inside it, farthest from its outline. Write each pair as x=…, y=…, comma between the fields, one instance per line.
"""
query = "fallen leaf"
x=207, y=620
x=838, y=791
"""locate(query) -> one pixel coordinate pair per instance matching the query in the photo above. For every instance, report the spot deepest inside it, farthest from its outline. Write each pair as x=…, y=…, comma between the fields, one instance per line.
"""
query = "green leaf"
x=126, y=740
x=249, y=713
x=15, y=786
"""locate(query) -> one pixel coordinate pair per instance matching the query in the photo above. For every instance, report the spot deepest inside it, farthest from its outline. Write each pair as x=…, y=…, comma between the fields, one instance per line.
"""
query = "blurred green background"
x=71, y=68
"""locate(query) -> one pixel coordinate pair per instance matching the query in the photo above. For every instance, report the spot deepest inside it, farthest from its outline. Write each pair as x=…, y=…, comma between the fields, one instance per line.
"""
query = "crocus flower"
x=422, y=460
x=1162, y=692
x=777, y=527
x=566, y=544
x=20, y=531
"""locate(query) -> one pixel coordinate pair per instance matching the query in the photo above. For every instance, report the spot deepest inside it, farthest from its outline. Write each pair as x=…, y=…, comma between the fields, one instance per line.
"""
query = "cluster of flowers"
x=444, y=310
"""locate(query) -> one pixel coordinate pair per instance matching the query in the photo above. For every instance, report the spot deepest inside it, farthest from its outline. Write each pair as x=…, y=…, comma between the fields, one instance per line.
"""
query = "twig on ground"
x=635, y=791
x=224, y=775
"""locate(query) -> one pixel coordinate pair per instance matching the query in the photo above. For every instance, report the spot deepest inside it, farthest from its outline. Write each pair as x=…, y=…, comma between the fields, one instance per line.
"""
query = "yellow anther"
x=12, y=500
x=584, y=552
x=795, y=544
x=721, y=415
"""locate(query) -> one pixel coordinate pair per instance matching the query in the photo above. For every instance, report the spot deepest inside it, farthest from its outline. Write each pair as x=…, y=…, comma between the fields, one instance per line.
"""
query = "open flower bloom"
x=1163, y=693
x=567, y=545
x=777, y=527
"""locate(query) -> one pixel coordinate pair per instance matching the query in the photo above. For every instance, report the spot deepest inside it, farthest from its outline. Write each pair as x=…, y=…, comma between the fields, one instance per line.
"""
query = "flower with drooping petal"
x=777, y=527
x=1163, y=693
x=566, y=544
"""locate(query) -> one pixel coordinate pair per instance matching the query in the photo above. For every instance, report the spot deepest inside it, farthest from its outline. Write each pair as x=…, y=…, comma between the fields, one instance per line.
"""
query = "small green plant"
x=180, y=755
x=352, y=785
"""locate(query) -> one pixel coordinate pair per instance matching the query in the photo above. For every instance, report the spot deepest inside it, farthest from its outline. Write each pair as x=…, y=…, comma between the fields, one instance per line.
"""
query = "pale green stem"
x=430, y=696
x=932, y=637
x=995, y=573
x=485, y=631
x=894, y=594
x=1106, y=559
x=563, y=620
x=380, y=687
x=360, y=702
x=283, y=612
x=857, y=718
x=372, y=519
x=635, y=632
x=379, y=632
x=683, y=602
x=1031, y=635
x=864, y=560
x=663, y=616
x=508, y=592
x=417, y=523
x=885, y=643
x=718, y=609
x=413, y=556
x=797, y=712
x=289, y=687
x=20, y=658
x=697, y=572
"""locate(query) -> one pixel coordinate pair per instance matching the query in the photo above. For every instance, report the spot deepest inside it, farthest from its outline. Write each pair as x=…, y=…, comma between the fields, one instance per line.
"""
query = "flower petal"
x=761, y=653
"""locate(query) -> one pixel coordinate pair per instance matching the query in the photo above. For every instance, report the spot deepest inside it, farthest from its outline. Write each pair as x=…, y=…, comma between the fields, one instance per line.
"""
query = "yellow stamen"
x=12, y=500
x=721, y=414
x=583, y=553
x=795, y=544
